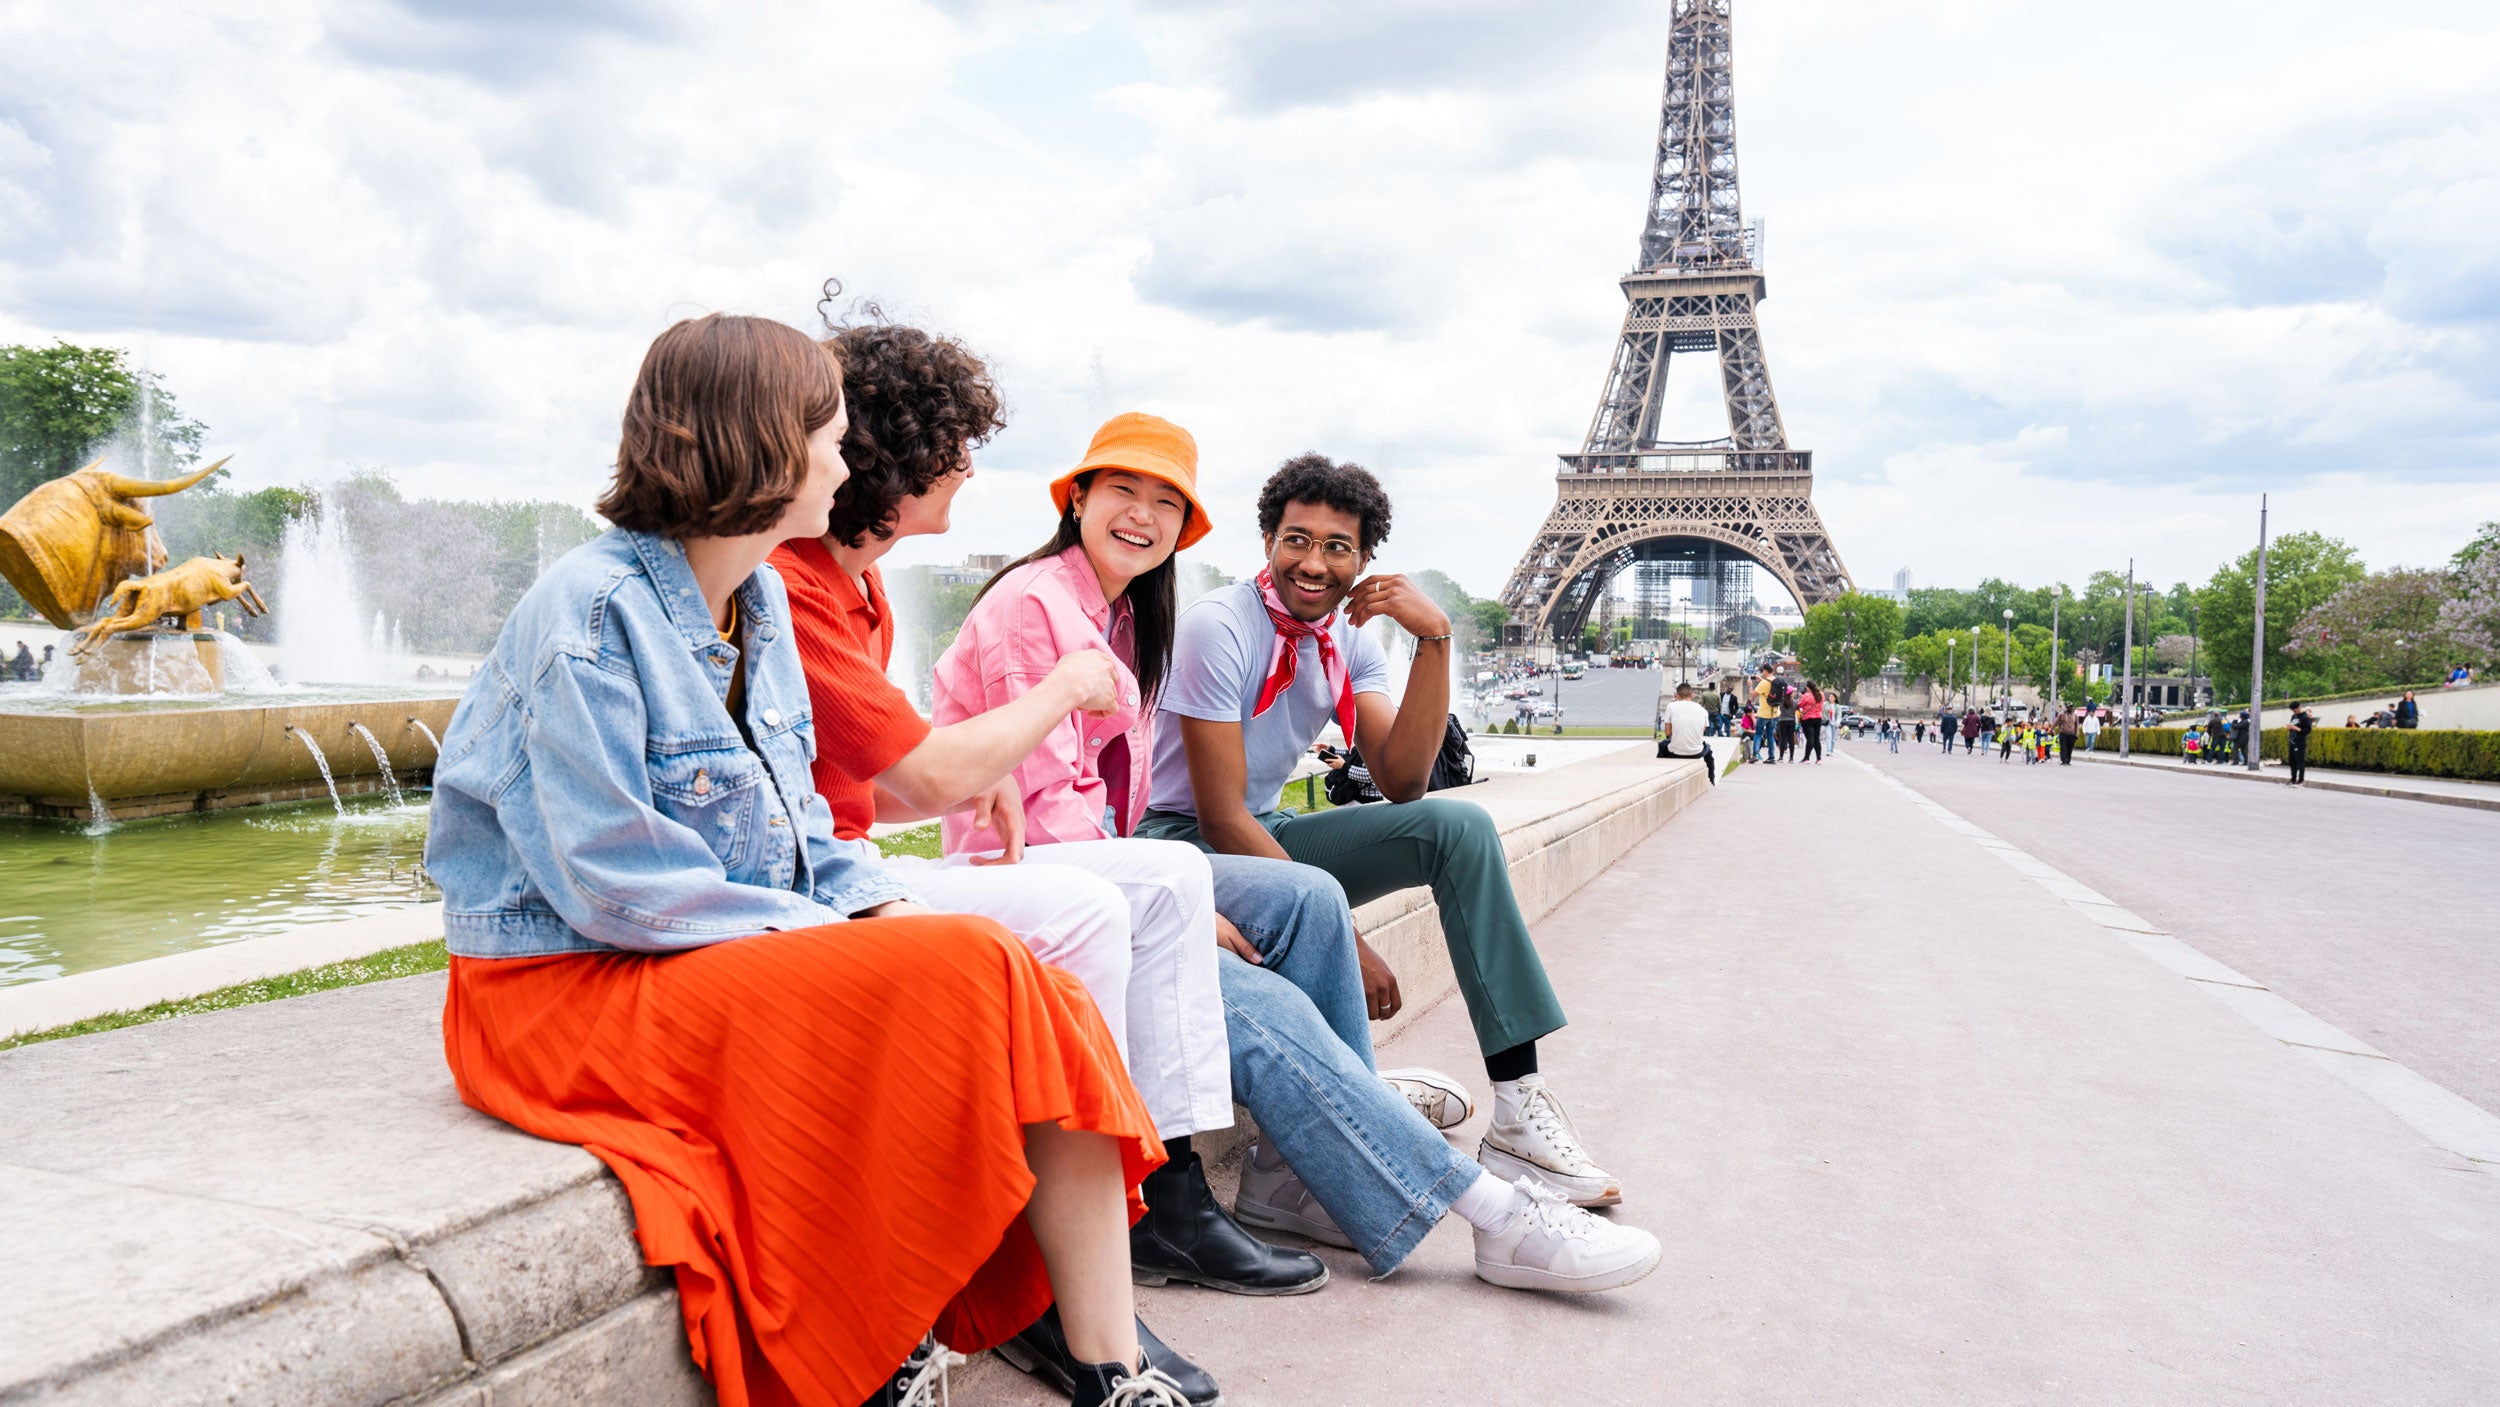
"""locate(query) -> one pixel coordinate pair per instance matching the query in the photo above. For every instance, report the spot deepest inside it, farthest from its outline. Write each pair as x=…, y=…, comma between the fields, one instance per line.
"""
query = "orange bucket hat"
x=1148, y=445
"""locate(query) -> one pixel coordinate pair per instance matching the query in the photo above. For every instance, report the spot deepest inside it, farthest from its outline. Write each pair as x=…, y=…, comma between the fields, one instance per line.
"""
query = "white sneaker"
x=1441, y=1100
x=1275, y=1199
x=1551, y=1245
x=1536, y=1140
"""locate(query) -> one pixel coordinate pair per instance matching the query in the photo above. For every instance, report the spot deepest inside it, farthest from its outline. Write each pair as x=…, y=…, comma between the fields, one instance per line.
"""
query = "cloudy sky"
x=2052, y=284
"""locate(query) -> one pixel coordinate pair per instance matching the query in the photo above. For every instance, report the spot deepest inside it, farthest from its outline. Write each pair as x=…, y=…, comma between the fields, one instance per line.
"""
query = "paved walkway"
x=1914, y=1129
x=2376, y=914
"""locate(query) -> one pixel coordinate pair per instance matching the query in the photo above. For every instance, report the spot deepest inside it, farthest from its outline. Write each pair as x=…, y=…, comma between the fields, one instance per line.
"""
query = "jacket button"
x=772, y=718
x=702, y=783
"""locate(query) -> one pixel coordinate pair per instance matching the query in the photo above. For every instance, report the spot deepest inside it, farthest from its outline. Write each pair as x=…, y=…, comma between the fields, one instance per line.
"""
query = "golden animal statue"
x=179, y=593
x=68, y=545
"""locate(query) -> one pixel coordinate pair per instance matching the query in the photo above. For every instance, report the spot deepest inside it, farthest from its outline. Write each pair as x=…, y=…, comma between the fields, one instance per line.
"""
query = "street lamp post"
x=1951, y=642
x=2257, y=652
x=2126, y=667
x=1972, y=688
x=2056, y=600
x=2005, y=681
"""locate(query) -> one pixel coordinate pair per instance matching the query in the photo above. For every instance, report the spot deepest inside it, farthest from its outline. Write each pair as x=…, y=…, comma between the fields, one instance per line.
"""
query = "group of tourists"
x=2017, y=733
x=873, y=1109
x=2403, y=713
x=1773, y=717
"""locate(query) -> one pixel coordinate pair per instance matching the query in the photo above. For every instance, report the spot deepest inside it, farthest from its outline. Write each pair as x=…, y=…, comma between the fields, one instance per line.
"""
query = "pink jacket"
x=1043, y=611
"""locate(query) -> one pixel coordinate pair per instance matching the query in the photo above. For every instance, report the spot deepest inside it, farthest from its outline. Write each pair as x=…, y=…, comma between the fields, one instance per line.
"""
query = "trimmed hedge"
x=2417, y=752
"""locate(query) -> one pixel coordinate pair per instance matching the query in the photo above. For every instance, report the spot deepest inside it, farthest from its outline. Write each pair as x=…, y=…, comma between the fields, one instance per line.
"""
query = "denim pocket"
x=713, y=792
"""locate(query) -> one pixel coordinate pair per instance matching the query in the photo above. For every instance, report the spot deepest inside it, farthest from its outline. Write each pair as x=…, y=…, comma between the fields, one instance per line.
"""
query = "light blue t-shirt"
x=1220, y=655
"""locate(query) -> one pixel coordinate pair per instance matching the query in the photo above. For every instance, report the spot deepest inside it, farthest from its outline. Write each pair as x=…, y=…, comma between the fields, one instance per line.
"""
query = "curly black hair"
x=1315, y=478
x=918, y=404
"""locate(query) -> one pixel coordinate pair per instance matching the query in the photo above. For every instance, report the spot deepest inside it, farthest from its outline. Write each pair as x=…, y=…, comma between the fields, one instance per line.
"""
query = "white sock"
x=1508, y=1095
x=1489, y=1205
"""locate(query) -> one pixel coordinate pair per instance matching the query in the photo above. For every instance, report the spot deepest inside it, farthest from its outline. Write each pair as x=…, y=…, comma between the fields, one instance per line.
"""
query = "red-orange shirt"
x=864, y=724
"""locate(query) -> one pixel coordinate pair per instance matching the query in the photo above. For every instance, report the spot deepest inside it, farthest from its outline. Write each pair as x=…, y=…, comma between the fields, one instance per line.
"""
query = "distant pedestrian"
x=2192, y=743
x=1810, y=720
x=1970, y=732
x=22, y=664
x=2408, y=713
x=2067, y=727
x=1687, y=732
x=1892, y=733
x=2089, y=730
x=2296, y=743
x=1949, y=727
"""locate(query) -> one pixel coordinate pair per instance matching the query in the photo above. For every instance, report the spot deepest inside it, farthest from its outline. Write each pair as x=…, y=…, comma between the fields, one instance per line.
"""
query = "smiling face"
x=1130, y=525
x=810, y=511
x=1316, y=553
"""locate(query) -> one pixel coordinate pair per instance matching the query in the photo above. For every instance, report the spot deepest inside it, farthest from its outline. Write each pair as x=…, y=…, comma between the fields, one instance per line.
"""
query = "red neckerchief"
x=1289, y=633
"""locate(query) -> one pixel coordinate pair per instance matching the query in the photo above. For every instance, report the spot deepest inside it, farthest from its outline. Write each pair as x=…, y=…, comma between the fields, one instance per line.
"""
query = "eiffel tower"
x=1699, y=508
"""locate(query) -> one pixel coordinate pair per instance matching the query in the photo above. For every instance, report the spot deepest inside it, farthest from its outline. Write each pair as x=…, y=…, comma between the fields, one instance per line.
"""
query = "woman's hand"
x=1000, y=808
x=1231, y=938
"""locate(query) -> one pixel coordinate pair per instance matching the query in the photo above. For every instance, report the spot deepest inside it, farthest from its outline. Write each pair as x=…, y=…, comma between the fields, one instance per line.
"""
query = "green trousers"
x=1450, y=845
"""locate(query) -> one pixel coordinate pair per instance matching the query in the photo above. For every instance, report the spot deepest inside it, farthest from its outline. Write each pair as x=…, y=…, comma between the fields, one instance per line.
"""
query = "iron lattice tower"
x=1629, y=496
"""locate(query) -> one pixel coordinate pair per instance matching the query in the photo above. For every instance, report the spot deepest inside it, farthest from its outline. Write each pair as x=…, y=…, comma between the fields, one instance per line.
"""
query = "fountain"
x=381, y=759
x=324, y=764
x=146, y=712
x=419, y=725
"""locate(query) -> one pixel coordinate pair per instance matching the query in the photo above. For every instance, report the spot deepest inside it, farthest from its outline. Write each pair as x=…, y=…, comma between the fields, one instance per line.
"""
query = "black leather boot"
x=1186, y=1236
x=1042, y=1350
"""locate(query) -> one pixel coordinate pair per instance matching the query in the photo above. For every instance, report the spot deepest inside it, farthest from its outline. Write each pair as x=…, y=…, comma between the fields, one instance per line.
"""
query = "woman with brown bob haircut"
x=842, y=1118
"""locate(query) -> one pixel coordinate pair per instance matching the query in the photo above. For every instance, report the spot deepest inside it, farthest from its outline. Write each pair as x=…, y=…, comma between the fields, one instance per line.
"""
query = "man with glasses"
x=1258, y=669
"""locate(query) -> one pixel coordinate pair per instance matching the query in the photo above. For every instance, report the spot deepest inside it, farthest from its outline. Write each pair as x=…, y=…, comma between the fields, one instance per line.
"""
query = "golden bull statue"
x=68, y=546
x=179, y=593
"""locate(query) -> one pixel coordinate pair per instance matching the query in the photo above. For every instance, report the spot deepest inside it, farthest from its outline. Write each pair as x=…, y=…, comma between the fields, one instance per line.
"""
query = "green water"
x=72, y=900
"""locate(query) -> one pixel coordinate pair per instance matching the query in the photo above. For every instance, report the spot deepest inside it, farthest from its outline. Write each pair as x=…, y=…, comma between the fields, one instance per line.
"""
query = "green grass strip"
x=393, y=962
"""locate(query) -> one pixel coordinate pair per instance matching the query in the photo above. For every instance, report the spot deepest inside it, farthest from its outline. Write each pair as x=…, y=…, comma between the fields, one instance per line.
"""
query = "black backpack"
x=1455, y=767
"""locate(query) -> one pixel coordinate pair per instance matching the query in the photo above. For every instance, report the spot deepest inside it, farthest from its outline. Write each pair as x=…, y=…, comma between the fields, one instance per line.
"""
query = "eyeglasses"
x=1335, y=551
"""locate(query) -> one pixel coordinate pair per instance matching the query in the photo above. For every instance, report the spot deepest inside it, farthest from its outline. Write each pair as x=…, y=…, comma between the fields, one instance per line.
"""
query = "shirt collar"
x=672, y=579
x=846, y=593
x=1085, y=585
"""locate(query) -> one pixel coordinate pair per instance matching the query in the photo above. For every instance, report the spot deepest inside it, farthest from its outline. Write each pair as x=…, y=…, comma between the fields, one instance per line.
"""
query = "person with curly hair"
x=1258, y=669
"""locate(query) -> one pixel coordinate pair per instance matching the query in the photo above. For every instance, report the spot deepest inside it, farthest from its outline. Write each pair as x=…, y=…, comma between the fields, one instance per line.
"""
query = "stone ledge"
x=288, y=1202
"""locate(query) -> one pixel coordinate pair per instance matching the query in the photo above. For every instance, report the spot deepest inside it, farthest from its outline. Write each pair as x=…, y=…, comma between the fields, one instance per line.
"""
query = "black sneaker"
x=921, y=1381
x=1042, y=1350
x=1186, y=1235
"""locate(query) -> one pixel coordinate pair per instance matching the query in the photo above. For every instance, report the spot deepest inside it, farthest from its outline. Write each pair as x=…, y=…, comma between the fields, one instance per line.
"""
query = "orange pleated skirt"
x=821, y=1130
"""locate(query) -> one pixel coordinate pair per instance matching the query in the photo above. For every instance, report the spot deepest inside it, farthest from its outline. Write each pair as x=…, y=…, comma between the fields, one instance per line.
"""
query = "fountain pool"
x=72, y=901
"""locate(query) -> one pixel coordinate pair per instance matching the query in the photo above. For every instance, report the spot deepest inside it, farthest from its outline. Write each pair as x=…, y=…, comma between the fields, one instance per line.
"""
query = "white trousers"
x=1134, y=920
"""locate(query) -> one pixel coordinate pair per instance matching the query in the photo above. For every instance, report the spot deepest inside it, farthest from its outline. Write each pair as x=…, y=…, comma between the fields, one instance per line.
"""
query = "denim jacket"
x=593, y=792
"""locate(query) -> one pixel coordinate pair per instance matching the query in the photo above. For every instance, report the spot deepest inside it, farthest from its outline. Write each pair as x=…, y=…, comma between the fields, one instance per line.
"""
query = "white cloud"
x=2045, y=293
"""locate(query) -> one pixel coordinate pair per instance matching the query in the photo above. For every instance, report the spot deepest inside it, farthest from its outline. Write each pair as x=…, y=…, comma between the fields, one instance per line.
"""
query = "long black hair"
x=1154, y=597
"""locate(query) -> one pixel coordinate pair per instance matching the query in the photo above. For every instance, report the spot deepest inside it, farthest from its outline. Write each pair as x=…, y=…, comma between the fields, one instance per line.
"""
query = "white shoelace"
x=1552, y=1212
x=928, y=1387
x=1151, y=1388
x=1544, y=1114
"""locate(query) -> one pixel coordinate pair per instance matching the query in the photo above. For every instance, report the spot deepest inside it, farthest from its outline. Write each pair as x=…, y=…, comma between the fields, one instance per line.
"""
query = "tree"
x=2469, y=621
x=2382, y=629
x=2484, y=540
x=2174, y=651
x=2303, y=570
x=1848, y=639
x=60, y=404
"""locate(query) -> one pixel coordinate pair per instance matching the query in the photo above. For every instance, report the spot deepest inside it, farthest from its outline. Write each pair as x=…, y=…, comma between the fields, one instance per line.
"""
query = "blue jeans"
x=1302, y=1062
